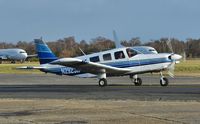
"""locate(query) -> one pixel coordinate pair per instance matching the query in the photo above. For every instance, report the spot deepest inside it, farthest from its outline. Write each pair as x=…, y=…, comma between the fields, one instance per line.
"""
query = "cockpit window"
x=151, y=50
x=22, y=52
x=131, y=52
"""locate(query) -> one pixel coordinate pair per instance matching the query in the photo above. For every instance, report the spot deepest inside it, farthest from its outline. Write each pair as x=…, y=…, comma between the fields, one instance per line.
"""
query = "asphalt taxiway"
x=51, y=99
x=64, y=87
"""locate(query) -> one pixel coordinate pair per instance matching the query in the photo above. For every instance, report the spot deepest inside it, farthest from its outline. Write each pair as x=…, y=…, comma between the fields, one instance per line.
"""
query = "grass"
x=187, y=68
x=11, y=68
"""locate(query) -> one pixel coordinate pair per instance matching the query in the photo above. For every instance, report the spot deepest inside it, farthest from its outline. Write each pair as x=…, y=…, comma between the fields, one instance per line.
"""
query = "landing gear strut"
x=137, y=81
x=163, y=80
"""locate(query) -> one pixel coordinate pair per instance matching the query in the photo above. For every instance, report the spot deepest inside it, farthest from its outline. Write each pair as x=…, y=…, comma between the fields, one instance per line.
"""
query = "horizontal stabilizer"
x=31, y=67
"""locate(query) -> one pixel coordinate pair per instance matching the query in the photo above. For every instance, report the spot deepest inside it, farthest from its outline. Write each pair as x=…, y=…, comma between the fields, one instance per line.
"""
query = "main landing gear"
x=137, y=81
x=134, y=78
x=102, y=80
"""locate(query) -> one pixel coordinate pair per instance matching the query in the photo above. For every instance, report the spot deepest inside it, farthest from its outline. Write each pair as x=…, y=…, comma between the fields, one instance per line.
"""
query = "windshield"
x=131, y=52
x=22, y=52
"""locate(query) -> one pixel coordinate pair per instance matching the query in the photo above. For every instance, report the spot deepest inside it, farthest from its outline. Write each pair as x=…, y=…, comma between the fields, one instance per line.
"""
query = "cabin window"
x=107, y=57
x=94, y=59
x=131, y=52
x=119, y=55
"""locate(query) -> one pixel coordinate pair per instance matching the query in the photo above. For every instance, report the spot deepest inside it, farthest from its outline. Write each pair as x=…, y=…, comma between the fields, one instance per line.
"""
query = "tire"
x=102, y=82
x=13, y=62
x=164, y=82
x=138, y=82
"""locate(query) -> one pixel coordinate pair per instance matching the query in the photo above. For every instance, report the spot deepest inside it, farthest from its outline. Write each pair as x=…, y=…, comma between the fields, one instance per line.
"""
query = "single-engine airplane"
x=114, y=62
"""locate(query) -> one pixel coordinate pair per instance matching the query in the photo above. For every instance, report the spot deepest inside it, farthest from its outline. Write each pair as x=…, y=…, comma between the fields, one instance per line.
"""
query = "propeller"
x=116, y=40
x=171, y=67
x=169, y=44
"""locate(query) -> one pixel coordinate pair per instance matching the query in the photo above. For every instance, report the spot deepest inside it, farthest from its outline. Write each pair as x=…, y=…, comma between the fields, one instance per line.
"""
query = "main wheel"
x=138, y=82
x=102, y=82
x=164, y=81
x=13, y=62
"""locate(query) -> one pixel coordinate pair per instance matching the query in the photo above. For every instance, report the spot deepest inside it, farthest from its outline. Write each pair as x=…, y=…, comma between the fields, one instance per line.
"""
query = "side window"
x=94, y=59
x=119, y=55
x=131, y=52
x=107, y=57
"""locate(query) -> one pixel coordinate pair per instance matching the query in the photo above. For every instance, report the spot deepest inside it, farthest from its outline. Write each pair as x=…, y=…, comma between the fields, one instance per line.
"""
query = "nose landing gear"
x=163, y=80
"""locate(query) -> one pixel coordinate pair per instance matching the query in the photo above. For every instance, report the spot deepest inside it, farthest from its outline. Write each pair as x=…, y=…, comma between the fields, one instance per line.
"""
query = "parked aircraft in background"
x=13, y=55
x=115, y=62
x=141, y=49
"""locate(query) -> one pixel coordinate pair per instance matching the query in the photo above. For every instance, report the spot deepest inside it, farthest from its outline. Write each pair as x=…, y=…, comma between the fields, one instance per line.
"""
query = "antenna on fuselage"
x=82, y=51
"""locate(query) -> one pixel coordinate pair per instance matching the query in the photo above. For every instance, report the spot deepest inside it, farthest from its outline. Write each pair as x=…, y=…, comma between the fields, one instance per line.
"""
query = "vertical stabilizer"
x=44, y=52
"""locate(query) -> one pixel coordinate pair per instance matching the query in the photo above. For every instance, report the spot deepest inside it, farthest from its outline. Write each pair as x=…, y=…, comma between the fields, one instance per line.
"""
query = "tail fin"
x=44, y=52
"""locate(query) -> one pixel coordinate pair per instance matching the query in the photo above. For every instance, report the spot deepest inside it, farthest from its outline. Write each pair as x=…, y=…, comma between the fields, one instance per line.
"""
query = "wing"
x=31, y=56
x=90, y=67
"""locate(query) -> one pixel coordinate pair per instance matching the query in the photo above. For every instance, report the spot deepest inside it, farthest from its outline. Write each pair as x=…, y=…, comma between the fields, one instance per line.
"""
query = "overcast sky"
x=86, y=19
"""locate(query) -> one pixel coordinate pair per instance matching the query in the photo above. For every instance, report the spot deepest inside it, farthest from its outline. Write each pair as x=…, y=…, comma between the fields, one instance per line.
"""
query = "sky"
x=25, y=20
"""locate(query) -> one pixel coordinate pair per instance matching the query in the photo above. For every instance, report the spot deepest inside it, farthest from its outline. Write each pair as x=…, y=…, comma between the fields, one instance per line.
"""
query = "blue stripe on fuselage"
x=123, y=64
x=132, y=63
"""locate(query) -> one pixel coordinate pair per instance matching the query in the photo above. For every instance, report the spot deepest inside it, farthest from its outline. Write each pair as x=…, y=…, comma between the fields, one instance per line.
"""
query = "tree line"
x=68, y=47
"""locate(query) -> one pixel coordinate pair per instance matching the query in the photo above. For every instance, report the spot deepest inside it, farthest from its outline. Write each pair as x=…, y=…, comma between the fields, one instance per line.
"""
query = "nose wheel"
x=163, y=80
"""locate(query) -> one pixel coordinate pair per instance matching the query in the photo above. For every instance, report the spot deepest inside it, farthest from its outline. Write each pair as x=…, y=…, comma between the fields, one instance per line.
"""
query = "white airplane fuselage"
x=139, y=63
x=13, y=54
